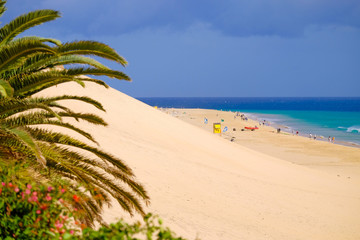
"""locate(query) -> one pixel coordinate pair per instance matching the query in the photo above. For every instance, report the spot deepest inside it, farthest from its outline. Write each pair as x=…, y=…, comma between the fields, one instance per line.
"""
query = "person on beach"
x=333, y=139
x=329, y=139
x=297, y=133
x=310, y=136
x=315, y=137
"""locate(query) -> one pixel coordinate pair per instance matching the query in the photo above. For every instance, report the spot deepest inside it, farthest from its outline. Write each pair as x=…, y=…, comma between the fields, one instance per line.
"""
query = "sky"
x=217, y=48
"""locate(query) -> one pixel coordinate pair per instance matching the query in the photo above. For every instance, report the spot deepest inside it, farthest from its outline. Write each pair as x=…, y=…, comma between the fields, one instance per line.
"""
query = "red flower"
x=76, y=198
x=38, y=211
x=58, y=224
x=48, y=197
x=43, y=207
x=34, y=198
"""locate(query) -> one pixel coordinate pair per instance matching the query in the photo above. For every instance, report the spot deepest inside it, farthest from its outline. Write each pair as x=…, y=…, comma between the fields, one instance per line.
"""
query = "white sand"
x=203, y=185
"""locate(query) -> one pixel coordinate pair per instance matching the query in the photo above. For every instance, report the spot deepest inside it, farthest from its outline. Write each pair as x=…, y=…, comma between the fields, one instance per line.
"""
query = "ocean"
x=324, y=117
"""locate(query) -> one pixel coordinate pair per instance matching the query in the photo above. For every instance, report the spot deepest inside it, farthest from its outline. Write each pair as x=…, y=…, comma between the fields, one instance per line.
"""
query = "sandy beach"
x=263, y=185
x=338, y=160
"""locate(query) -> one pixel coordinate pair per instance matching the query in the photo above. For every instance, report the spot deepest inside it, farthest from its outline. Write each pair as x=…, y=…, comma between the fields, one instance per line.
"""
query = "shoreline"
x=287, y=129
x=274, y=125
x=337, y=159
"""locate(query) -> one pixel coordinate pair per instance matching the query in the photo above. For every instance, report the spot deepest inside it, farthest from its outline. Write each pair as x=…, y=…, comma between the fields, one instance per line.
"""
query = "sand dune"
x=203, y=185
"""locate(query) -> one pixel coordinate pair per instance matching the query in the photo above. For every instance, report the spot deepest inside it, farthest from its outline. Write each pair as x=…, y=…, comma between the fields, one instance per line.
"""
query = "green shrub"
x=152, y=228
x=33, y=211
x=30, y=210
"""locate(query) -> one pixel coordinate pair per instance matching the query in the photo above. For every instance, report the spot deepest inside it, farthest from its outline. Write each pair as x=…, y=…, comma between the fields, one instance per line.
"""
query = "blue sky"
x=218, y=48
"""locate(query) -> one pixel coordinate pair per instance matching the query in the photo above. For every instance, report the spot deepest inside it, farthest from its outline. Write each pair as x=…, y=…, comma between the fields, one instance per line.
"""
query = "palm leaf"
x=24, y=22
x=40, y=39
x=85, y=99
x=11, y=106
x=2, y=7
x=37, y=119
x=5, y=89
x=52, y=137
x=97, y=72
x=36, y=82
x=10, y=54
x=44, y=61
x=26, y=138
x=91, y=48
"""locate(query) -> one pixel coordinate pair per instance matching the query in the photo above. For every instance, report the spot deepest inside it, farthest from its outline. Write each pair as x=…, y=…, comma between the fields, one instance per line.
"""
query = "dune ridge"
x=203, y=185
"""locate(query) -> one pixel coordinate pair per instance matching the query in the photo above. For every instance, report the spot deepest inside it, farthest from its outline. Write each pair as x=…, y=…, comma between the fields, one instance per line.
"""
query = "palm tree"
x=29, y=65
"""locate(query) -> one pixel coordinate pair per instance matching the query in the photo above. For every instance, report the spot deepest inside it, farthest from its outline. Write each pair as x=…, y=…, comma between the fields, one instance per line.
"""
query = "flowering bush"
x=38, y=211
x=33, y=212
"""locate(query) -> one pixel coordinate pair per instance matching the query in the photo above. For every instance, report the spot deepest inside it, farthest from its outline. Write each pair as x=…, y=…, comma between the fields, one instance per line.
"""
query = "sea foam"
x=353, y=129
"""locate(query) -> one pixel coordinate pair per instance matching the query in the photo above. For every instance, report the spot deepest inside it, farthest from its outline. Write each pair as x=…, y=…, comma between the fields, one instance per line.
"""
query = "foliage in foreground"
x=31, y=210
x=29, y=65
x=152, y=229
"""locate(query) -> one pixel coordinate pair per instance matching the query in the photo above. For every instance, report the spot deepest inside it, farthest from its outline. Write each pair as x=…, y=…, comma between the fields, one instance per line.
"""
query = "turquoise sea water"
x=344, y=126
x=334, y=117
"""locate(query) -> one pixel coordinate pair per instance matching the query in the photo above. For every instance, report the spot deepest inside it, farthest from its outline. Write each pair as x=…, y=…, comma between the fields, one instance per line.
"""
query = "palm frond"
x=32, y=83
x=40, y=62
x=52, y=137
x=11, y=106
x=24, y=22
x=11, y=54
x=91, y=48
x=91, y=175
x=2, y=7
x=40, y=39
x=23, y=136
x=43, y=61
x=97, y=72
x=5, y=89
x=137, y=188
x=31, y=119
x=90, y=118
x=85, y=99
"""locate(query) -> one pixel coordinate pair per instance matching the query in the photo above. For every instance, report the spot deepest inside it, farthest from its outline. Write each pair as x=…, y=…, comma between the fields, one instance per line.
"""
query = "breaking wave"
x=352, y=129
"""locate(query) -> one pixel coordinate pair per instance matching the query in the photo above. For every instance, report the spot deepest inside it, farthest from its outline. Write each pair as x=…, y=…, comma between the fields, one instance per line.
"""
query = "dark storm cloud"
x=231, y=17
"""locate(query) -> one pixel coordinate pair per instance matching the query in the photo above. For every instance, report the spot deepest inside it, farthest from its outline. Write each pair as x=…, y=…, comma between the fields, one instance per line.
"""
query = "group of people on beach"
x=330, y=139
x=278, y=130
